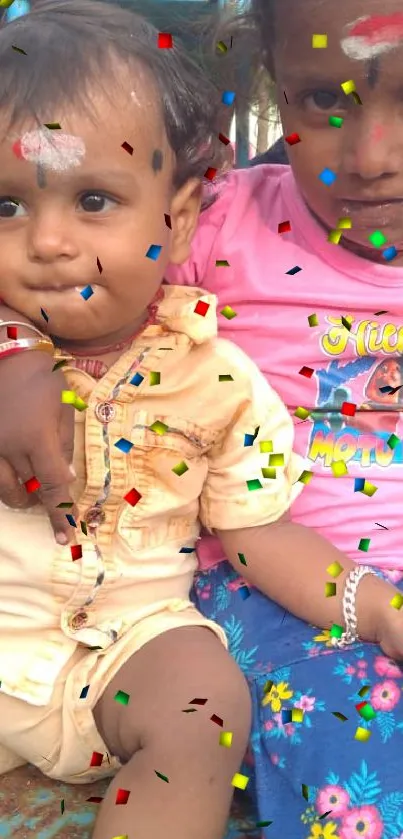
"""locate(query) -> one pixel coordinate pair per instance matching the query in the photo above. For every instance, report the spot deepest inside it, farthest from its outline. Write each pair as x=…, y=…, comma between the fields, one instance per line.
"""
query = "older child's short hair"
x=70, y=45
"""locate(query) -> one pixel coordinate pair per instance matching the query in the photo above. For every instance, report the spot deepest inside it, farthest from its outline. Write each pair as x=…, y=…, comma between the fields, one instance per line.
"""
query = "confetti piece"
x=348, y=409
x=263, y=824
x=122, y=796
x=123, y=445
x=348, y=87
x=313, y=320
x=336, y=122
x=159, y=428
x=122, y=697
x=319, y=42
x=305, y=477
x=83, y=528
x=389, y=253
x=96, y=759
x=362, y=734
x=339, y=468
x=222, y=263
x=381, y=525
x=276, y=460
x=53, y=126
x=168, y=221
x=95, y=799
x=305, y=791
x=397, y=601
x=242, y=559
x=254, y=484
x=228, y=97
x=269, y=472
x=132, y=497
x=163, y=777
x=68, y=397
x=71, y=520
x=65, y=505
x=18, y=49
x=99, y=266
x=286, y=717
x=335, y=569
x=366, y=711
x=339, y=716
x=210, y=173
x=294, y=270
x=330, y=589
x=32, y=484
x=5, y=4
x=284, y=227
x=44, y=315
x=87, y=292
x=334, y=237
x=293, y=139
x=364, y=690
x=190, y=711
x=267, y=687
x=393, y=441
x=217, y=720
x=187, y=550
x=225, y=377
x=302, y=413
x=226, y=739
x=297, y=715
x=84, y=692
x=336, y=631
x=62, y=806
x=356, y=98
x=307, y=372
x=122, y=836
x=325, y=815
x=359, y=484
x=12, y=333
x=265, y=446
x=137, y=379
x=59, y=364
x=154, y=252
x=76, y=552
x=369, y=489
x=228, y=312
x=79, y=404
x=224, y=139
x=364, y=544
x=344, y=223
x=198, y=701
x=127, y=147
x=377, y=239
x=240, y=781
x=201, y=308
x=327, y=176
x=165, y=41
x=244, y=592
x=180, y=468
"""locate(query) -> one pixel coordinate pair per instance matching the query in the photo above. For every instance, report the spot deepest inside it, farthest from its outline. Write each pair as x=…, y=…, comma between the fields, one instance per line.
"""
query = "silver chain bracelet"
x=350, y=635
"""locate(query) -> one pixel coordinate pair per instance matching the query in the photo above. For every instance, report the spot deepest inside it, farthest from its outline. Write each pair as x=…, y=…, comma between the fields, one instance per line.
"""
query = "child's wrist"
x=373, y=598
x=7, y=314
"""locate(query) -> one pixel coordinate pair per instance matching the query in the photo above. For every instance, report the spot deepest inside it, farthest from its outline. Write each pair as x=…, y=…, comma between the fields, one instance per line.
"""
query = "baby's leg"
x=153, y=734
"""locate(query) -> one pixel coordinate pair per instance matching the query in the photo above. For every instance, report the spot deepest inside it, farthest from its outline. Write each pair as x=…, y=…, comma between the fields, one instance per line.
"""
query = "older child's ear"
x=185, y=211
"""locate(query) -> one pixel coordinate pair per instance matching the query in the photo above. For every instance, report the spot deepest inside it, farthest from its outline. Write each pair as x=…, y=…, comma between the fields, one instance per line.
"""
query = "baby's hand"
x=390, y=631
x=36, y=436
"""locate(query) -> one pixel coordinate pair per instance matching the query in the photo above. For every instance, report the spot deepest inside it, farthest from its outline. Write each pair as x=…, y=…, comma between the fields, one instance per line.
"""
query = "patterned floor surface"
x=31, y=808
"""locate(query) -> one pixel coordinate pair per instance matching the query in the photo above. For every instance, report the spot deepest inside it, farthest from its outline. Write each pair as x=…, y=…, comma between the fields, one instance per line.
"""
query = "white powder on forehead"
x=52, y=149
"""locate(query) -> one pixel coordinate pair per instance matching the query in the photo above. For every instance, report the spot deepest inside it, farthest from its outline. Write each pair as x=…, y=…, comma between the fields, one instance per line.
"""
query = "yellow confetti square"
x=69, y=397
x=344, y=224
x=226, y=739
x=240, y=781
x=397, y=601
x=348, y=87
x=330, y=589
x=334, y=569
x=269, y=472
x=276, y=460
x=362, y=734
x=319, y=42
x=266, y=446
x=313, y=320
x=339, y=468
x=159, y=427
x=79, y=404
x=334, y=237
x=369, y=489
x=302, y=413
x=305, y=477
x=297, y=715
x=155, y=378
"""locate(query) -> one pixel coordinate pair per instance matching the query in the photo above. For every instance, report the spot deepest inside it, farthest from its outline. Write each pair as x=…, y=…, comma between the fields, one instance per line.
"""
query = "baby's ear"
x=185, y=211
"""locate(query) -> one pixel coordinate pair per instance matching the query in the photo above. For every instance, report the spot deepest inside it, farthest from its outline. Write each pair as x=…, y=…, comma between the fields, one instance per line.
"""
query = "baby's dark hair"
x=71, y=45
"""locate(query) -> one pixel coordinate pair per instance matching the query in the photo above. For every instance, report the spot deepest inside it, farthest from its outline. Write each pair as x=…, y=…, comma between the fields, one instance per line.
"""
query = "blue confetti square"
x=84, y=692
x=228, y=97
x=87, y=292
x=70, y=519
x=286, y=717
x=124, y=445
x=187, y=550
x=389, y=253
x=327, y=177
x=154, y=252
x=136, y=380
x=359, y=484
x=244, y=592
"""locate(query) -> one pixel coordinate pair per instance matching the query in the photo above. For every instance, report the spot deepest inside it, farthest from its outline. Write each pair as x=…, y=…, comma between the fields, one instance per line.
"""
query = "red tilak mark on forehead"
x=17, y=150
x=378, y=28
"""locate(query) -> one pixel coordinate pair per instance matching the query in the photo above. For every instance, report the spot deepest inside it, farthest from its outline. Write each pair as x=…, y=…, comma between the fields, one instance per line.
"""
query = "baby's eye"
x=96, y=202
x=324, y=100
x=10, y=208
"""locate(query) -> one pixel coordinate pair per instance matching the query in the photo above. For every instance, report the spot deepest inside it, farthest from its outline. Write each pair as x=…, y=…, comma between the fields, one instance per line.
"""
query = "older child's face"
x=365, y=45
x=78, y=210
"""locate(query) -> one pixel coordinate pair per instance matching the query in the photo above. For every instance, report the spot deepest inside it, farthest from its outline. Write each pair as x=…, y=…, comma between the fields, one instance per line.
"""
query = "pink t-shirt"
x=361, y=366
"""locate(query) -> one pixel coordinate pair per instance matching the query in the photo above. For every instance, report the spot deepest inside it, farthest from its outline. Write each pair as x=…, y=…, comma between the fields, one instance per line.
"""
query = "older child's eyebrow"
x=310, y=80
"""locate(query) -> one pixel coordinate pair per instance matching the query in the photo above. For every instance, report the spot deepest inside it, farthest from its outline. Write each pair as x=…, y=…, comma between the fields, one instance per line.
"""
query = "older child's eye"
x=96, y=202
x=9, y=207
x=323, y=100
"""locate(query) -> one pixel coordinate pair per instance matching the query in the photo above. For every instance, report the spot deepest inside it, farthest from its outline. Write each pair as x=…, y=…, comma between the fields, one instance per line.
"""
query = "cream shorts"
x=61, y=737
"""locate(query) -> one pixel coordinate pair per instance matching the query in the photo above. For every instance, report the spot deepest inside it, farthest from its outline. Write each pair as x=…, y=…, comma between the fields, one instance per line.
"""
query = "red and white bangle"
x=10, y=348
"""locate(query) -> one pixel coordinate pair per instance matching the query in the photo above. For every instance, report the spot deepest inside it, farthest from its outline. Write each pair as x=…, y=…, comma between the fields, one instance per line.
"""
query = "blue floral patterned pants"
x=326, y=750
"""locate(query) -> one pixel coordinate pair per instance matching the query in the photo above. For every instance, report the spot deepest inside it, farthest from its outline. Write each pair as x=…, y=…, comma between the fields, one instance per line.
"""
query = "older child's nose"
x=373, y=150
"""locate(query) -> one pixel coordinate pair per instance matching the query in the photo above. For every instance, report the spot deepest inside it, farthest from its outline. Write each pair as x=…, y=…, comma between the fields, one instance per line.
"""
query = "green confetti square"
x=364, y=544
x=159, y=427
x=313, y=320
x=337, y=122
x=180, y=468
x=163, y=777
x=336, y=631
x=225, y=377
x=228, y=312
x=122, y=697
x=222, y=263
x=377, y=239
x=79, y=404
x=254, y=484
x=242, y=559
x=367, y=712
x=155, y=378
x=393, y=441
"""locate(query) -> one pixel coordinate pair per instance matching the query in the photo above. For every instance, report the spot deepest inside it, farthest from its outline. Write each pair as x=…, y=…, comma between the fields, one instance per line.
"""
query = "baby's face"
x=366, y=153
x=77, y=209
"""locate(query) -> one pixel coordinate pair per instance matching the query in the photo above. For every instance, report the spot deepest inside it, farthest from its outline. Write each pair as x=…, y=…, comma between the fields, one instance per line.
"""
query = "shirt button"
x=105, y=412
x=94, y=516
x=78, y=620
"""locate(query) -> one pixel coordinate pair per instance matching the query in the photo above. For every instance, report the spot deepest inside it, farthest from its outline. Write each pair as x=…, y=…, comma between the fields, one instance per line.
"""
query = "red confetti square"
x=168, y=221
x=122, y=796
x=96, y=759
x=216, y=719
x=100, y=269
x=348, y=409
x=165, y=41
x=224, y=139
x=95, y=799
x=132, y=497
x=76, y=552
x=12, y=332
x=360, y=705
x=284, y=227
x=307, y=372
x=293, y=139
x=32, y=485
x=210, y=173
x=127, y=147
x=202, y=308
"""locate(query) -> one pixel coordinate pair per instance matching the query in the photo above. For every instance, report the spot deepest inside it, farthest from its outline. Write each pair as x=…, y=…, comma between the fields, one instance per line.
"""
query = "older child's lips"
x=376, y=214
